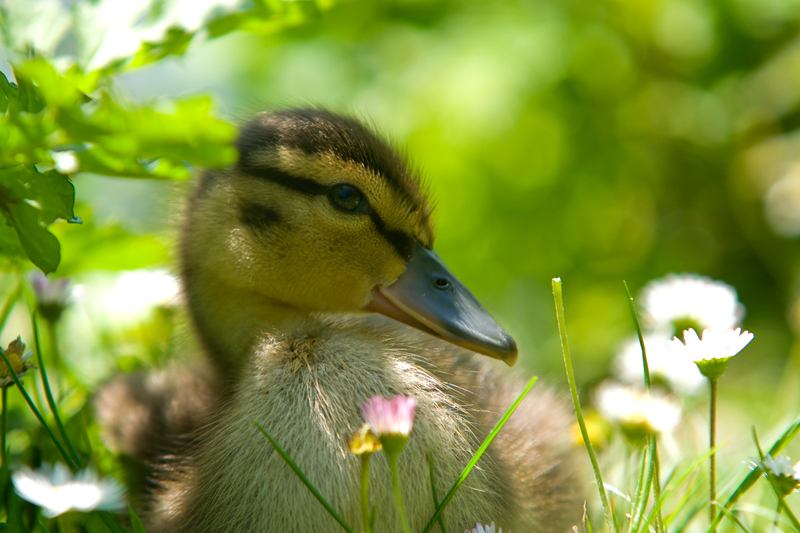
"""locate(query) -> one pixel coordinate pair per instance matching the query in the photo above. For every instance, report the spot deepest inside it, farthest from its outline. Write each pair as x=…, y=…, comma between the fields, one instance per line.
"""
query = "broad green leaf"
x=10, y=247
x=55, y=194
x=41, y=246
x=30, y=201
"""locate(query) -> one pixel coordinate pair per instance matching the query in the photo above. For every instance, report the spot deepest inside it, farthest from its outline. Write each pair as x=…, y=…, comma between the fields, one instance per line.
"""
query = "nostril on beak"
x=441, y=283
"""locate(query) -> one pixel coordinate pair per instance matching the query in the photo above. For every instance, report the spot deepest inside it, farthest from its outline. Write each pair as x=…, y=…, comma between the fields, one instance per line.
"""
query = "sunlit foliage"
x=595, y=140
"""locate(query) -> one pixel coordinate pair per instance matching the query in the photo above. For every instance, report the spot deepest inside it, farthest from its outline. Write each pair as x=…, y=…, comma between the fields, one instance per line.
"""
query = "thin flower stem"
x=296, y=469
x=777, y=520
x=46, y=385
x=562, y=330
x=3, y=422
x=365, y=491
x=38, y=415
x=712, y=438
x=398, y=495
x=433, y=491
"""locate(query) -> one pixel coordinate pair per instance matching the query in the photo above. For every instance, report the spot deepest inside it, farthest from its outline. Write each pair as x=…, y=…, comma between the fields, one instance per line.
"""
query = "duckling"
x=311, y=281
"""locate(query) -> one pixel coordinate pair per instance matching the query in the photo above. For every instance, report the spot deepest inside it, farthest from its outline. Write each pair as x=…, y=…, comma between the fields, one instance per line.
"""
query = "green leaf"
x=175, y=43
x=55, y=194
x=136, y=522
x=30, y=201
x=40, y=245
x=21, y=96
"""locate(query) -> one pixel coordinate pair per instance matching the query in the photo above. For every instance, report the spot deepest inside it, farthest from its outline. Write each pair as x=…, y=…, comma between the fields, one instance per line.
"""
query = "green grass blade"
x=733, y=518
x=640, y=494
x=673, y=486
x=678, y=508
x=46, y=385
x=653, y=466
x=38, y=415
x=111, y=522
x=304, y=479
x=487, y=441
x=638, y=327
x=433, y=491
x=788, y=512
x=562, y=330
x=136, y=522
x=753, y=476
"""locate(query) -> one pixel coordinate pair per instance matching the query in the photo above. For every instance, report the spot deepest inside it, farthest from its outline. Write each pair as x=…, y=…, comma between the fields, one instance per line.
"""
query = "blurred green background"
x=595, y=140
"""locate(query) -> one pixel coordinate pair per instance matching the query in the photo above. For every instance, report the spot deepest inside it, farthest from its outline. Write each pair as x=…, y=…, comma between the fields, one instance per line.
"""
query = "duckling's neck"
x=231, y=321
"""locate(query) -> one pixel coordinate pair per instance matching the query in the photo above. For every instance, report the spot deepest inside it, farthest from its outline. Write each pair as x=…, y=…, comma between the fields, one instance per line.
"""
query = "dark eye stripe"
x=257, y=216
x=399, y=240
x=284, y=179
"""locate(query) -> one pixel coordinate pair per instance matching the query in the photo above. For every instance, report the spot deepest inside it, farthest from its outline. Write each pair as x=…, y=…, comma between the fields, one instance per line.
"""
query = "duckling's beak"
x=429, y=297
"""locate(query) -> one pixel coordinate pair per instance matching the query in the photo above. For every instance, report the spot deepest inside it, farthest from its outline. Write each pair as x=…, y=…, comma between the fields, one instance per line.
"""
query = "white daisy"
x=678, y=373
x=484, y=529
x=680, y=301
x=56, y=491
x=715, y=344
x=710, y=354
x=785, y=476
x=637, y=411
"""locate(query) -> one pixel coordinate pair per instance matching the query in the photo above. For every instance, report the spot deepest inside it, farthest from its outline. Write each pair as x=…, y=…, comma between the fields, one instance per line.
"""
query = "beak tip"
x=511, y=354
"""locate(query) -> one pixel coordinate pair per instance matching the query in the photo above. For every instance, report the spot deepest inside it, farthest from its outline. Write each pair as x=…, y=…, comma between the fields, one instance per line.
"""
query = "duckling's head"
x=321, y=215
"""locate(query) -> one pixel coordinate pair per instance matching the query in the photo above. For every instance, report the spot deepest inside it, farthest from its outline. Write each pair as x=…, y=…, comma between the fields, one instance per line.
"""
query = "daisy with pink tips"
x=391, y=421
x=390, y=417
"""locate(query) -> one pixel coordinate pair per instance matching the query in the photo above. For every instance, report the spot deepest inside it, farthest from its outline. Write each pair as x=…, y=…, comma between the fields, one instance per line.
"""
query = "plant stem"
x=397, y=493
x=46, y=385
x=365, y=491
x=3, y=422
x=38, y=415
x=562, y=330
x=712, y=438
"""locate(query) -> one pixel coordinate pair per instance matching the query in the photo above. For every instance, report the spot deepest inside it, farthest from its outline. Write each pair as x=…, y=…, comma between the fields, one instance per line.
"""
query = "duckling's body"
x=281, y=257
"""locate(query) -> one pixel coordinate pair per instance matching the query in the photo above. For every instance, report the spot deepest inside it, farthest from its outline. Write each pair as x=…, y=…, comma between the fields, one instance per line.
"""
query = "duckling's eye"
x=348, y=198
